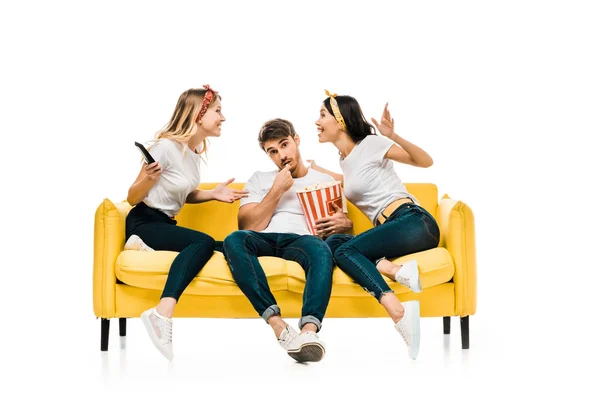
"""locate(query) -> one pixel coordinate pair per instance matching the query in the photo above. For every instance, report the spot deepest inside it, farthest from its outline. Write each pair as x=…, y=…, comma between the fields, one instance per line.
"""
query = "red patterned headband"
x=208, y=98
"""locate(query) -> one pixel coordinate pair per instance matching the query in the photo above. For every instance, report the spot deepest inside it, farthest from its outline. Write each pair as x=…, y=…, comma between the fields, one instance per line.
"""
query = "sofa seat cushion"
x=149, y=270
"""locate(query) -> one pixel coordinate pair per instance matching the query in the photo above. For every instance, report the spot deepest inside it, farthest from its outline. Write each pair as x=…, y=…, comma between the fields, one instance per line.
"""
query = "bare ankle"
x=277, y=324
x=309, y=327
x=393, y=306
x=387, y=268
x=166, y=307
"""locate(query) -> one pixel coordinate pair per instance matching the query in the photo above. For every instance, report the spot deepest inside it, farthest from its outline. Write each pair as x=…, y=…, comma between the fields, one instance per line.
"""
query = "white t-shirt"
x=180, y=176
x=288, y=216
x=370, y=181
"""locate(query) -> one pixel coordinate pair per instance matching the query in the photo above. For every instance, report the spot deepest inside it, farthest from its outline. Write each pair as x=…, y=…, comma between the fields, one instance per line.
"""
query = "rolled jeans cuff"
x=382, y=293
x=309, y=319
x=270, y=311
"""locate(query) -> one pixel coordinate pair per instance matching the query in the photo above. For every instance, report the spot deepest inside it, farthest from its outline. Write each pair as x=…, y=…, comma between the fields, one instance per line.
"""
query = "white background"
x=505, y=96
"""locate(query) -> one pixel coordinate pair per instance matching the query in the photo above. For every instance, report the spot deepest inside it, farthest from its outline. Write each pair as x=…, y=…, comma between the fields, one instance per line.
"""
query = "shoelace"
x=312, y=335
x=287, y=337
x=167, y=331
x=404, y=281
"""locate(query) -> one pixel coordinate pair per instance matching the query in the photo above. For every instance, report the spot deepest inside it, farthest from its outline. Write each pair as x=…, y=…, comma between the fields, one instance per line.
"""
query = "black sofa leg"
x=446, y=325
x=122, y=326
x=104, y=329
x=464, y=331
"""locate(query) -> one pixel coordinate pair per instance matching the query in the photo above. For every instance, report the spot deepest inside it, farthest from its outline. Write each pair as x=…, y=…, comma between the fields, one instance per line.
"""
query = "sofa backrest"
x=220, y=219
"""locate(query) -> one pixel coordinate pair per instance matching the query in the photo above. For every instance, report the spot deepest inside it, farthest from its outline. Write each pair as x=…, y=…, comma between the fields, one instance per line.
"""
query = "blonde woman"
x=158, y=194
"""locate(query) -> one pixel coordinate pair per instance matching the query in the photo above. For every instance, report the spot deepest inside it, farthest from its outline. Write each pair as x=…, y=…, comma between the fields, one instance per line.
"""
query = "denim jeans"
x=409, y=229
x=160, y=232
x=241, y=249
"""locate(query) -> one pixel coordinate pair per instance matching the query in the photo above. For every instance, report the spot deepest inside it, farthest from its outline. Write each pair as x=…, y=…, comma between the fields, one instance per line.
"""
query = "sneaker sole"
x=419, y=288
x=153, y=337
x=308, y=352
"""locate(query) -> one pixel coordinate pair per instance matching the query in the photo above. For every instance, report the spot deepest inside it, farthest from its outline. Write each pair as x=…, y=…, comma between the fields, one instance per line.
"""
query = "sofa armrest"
x=457, y=226
x=109, y=239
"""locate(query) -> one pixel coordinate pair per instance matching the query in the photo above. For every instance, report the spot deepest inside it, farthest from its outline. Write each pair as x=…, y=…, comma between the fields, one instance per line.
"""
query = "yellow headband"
x=336, y=110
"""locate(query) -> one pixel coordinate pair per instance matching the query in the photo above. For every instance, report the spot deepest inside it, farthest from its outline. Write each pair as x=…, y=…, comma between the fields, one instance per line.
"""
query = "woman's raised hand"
x=386, y=126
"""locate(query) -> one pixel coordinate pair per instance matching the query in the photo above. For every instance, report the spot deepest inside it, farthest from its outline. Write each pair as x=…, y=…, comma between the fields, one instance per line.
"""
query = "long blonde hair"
x=182, y=125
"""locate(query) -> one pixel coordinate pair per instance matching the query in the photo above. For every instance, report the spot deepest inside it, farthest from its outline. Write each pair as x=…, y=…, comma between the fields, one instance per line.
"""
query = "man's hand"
x=336, y=223
x=283, y=180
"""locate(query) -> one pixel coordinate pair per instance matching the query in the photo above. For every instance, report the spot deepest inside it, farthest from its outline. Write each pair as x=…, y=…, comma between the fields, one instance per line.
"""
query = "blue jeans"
x=242, y=249
x=409, y=229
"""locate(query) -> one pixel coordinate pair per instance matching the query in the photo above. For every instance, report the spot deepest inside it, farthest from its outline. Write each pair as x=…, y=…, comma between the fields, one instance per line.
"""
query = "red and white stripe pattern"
x=317, y=203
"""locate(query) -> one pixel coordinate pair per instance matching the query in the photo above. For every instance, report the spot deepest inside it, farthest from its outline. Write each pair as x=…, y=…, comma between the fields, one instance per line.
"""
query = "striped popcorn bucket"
x=317, y=202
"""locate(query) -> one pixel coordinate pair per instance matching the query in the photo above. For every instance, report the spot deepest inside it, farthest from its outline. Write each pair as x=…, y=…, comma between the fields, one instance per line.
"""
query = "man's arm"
x=256, y=216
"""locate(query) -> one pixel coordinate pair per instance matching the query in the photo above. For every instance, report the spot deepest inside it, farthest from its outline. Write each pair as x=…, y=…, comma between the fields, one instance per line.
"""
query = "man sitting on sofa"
x=272, y=223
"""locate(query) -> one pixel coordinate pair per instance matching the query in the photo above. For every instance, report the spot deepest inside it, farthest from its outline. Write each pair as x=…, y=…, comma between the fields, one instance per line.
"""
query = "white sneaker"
x=286, y=337
x=409, y=327
x=160, y=330
x=136, y=243
x=408, y=275
x=307, y=347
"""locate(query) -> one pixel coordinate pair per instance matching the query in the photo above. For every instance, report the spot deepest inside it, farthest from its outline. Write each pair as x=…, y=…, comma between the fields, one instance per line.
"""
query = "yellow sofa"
x=125, y=283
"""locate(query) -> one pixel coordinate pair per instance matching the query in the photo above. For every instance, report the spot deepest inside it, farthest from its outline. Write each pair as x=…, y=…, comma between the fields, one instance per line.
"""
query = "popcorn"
x=320, y=186
x=317, y=201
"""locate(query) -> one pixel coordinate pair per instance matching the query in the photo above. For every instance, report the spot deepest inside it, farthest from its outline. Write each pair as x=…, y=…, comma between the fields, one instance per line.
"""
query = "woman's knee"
x=203, y=240
x=336, y=240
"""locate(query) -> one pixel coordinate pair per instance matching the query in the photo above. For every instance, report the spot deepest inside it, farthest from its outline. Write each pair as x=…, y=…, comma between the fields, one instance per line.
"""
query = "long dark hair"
x=356, y=123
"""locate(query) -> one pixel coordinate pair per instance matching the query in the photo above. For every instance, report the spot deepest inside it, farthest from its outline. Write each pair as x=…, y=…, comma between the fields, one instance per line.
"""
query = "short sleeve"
x=376, y=147
x=161, y=152
x=254, y=191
